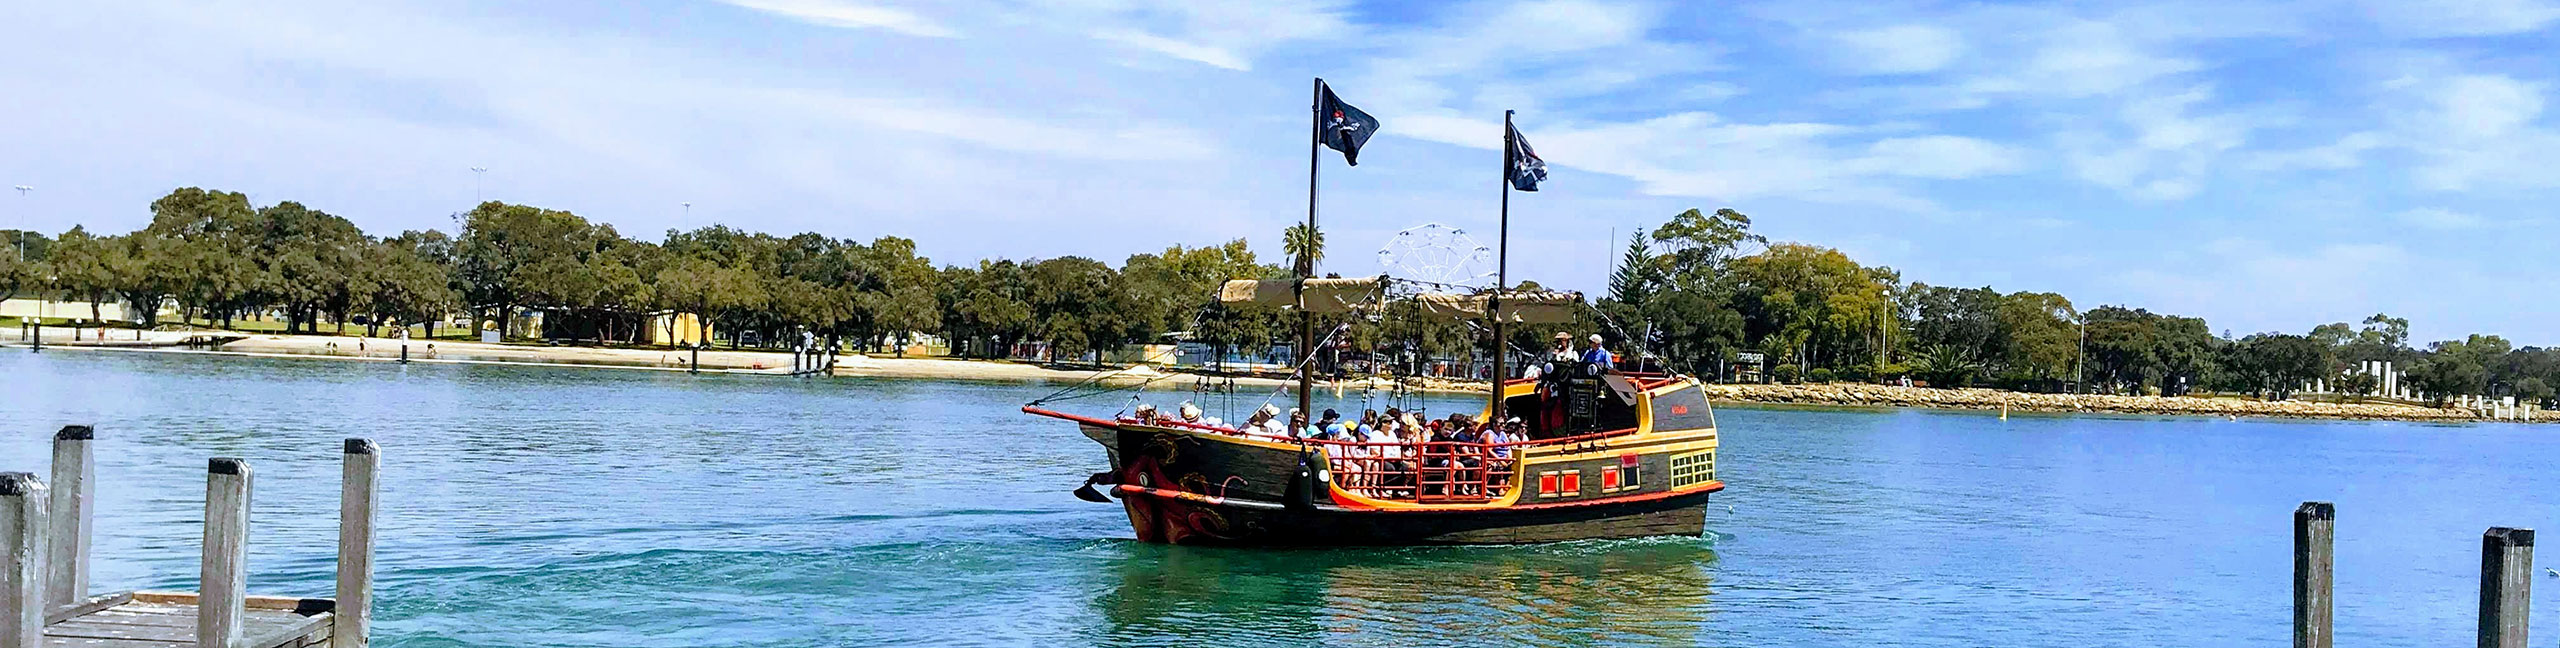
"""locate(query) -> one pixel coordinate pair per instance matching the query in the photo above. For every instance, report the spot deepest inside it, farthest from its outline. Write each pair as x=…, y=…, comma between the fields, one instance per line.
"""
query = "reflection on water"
x=551, y=507
x=1647, y=591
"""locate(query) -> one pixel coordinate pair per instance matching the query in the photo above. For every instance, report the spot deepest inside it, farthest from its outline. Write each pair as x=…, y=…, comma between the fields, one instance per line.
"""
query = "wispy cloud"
x=852, y=15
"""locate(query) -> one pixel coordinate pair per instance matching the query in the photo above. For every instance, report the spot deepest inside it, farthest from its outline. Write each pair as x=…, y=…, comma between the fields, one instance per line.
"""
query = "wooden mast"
x=1307, y=264
x=1501, y=273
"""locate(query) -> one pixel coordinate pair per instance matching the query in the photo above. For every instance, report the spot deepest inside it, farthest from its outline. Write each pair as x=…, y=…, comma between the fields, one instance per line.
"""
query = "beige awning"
x=1536, y=307
x=1363, y=294
x=1323, y=295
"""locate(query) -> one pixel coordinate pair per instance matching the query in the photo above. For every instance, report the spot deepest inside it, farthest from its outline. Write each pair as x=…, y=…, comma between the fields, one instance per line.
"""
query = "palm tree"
x=1304, y=244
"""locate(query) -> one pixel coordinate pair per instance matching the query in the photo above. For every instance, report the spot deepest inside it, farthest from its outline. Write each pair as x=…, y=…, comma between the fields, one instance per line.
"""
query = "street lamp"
x=22, y=232
x=476, y=174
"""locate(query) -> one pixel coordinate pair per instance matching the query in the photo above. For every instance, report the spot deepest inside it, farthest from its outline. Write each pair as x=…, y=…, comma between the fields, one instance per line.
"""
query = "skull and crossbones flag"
x=1527, y=169
x=1341, y=127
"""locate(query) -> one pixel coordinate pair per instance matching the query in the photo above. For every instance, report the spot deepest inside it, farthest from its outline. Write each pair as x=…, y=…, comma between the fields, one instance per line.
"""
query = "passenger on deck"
x=1563, y=351
x=1190, y=413
x=1147, y=413
x=1260, y=421
x=1599, y=356
x=1271, y=423
x=1298, y=424
x=1330, y=426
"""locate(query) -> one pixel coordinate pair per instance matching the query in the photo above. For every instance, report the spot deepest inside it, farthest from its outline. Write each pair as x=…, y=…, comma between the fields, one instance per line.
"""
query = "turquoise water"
x=581, y=507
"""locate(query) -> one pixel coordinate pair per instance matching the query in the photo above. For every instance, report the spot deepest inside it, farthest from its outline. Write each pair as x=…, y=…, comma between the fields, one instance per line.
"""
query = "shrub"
x=1785, y=373
x=1818, y=376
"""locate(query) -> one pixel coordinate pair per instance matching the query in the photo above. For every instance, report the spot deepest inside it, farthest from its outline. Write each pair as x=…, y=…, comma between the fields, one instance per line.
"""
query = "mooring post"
x=2506, y=586
x=74, y=478
x=2314, y=528
x=37, y=345
x=22, y=537
x=356, y=498
x=226, y=544
x=697, y=359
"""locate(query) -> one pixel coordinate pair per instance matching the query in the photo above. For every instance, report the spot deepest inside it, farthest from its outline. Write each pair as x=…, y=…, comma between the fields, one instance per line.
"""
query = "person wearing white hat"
x=1599, y=356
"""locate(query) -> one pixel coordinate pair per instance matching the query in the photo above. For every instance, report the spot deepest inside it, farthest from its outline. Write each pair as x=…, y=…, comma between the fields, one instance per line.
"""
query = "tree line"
x=1701, y=289
x=1693, y=294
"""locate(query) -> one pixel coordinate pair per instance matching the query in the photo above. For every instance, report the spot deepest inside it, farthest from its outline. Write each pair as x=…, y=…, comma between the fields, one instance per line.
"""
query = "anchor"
x=1087, y=493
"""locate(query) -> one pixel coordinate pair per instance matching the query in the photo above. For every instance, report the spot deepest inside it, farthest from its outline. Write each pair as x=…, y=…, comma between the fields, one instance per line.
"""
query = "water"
x=579, y=507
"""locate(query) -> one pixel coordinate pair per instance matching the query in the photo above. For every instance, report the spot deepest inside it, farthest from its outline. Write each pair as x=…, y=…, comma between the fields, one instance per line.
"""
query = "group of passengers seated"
x=1392, y=454
x=1398, y=454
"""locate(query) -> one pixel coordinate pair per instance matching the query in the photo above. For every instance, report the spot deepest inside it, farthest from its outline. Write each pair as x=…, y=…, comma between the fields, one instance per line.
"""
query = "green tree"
x=83, y=267
x=1305, y=247
x=511, y=255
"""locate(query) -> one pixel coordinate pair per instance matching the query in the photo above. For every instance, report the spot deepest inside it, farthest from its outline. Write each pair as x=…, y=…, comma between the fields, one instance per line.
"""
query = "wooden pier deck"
x=168, y=620
x=44, y=566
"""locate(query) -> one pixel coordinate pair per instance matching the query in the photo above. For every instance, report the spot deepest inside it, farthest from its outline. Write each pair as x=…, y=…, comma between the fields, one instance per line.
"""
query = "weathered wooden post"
x=74, y=473
x=37, y=345
x=356, y=499
x=2506, y=585
x=2314, y=529
x=22, y=537
x=226, y=543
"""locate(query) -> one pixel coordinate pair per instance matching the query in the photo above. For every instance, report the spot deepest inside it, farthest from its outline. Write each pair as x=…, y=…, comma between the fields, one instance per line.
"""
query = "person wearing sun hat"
x=1598, y=356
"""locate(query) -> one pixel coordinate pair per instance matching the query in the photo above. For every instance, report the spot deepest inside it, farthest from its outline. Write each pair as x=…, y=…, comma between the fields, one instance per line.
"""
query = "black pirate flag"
x=1342, y=127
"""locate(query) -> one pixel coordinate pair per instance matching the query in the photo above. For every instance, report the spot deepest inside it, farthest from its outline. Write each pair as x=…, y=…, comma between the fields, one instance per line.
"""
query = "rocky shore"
x=1992, y=399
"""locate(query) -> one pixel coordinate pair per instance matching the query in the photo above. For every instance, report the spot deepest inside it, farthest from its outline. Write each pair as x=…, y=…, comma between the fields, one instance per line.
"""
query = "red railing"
x=1428, y=471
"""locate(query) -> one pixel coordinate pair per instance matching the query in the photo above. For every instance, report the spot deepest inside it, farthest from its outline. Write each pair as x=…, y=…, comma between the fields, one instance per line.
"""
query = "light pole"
x=2080, y=367
x=476, y=174
x=22, y=231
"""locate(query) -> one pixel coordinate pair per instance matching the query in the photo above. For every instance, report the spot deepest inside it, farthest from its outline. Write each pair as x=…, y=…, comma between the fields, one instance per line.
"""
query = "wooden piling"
x=356, y=501
x=2506, y=584
x=226, y=542
x=22, y=539
x=2314, y=531
x=67, y=552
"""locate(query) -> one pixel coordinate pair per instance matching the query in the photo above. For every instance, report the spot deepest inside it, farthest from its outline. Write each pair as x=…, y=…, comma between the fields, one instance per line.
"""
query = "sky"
x=2268, y=166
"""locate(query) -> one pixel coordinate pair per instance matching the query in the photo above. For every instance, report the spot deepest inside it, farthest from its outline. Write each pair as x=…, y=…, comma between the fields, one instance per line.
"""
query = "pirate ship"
x=1603, y=454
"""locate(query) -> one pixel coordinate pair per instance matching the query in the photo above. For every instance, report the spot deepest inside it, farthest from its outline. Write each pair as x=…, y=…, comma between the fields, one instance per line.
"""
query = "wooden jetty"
x=44, y=566
x=2506, y=579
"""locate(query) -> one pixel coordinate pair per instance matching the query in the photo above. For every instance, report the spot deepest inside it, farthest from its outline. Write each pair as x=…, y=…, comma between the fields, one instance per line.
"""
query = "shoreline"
x=773, y=363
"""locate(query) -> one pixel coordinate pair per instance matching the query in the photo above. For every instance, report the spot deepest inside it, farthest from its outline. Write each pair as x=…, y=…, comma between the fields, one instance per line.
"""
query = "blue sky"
x=2265, y=165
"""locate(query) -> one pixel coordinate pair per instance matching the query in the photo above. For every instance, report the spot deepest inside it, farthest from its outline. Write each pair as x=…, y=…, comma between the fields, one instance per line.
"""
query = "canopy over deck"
x=1364, y=293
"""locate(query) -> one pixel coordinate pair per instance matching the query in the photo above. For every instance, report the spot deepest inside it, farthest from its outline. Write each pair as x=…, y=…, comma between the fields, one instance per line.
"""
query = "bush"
x=1785, y=373
x=1857, y=373
x=1818, y=376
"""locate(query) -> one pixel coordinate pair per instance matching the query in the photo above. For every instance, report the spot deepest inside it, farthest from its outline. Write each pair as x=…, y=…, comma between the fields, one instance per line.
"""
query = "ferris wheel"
x=1436, y=253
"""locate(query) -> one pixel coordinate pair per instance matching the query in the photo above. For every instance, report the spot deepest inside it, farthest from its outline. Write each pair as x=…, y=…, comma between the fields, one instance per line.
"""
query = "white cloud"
x=2477, y=130
x=1226, y=34
x=2171, y=151
x=2440, y=218
x=850, y=15
x=2461, y=17
x=2254, y=285
x=1194, y=52
x=1901, y=49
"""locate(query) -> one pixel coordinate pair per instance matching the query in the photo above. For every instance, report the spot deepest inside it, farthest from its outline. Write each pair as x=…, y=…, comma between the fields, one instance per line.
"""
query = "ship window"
x=1569, y=484
x=1608, y=480
x=1547, y=484
x=1693, y=468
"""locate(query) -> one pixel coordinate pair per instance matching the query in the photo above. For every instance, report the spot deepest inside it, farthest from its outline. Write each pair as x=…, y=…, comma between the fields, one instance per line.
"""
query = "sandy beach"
x=856, y=365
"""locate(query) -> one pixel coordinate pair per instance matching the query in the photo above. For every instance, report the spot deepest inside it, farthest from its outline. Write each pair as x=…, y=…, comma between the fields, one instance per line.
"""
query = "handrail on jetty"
x=44, y=565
